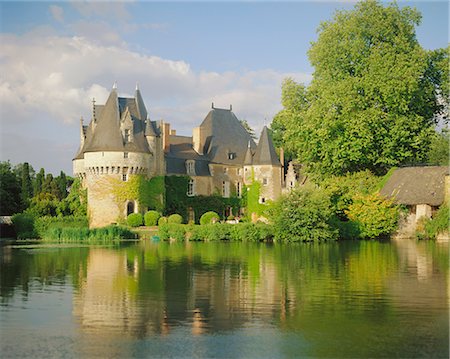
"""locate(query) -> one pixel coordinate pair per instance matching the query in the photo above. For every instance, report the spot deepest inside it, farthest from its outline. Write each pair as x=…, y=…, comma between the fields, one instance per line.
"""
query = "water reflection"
x=351, y=299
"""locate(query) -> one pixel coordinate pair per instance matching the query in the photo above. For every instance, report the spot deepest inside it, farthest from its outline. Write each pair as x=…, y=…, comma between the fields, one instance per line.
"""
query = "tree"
x=250, y=130
x=306, y=214
x=27, y=187
x=439, y=149
x=10, y=190
x=374, y=97
x=294, y=101
x=40, y=177
x=62, y=183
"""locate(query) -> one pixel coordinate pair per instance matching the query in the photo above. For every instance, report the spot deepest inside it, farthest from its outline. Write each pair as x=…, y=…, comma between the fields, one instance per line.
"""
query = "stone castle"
x=220, y=158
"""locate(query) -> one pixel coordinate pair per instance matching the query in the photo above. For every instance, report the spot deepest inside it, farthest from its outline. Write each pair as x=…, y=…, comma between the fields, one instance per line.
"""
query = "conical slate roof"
x=265, y=151
x=224, y=134
x=104, y=133
x=248, y=156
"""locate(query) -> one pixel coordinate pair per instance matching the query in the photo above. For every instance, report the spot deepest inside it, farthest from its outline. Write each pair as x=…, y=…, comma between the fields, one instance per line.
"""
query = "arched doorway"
x=130, y=207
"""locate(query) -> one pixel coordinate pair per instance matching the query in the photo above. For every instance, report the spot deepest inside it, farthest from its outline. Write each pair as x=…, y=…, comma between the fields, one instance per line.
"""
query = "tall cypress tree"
x=38, y=182
x=26, y=185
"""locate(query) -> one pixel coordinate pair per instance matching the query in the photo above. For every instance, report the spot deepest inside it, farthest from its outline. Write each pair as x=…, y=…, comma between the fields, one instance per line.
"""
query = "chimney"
x=198, y=139
x=166, y=136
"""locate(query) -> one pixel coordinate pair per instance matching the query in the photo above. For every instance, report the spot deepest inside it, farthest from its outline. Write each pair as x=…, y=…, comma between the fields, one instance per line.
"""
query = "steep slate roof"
x=106, y=134
x=223, y=133
x=181, y=150
x=265, y=152
x=417, y=185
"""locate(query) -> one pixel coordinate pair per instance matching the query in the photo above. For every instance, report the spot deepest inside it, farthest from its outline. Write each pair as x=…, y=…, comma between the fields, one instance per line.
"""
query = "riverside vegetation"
x=361, y=116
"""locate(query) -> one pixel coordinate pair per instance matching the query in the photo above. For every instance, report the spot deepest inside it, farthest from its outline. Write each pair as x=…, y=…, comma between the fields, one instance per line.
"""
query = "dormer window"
x=190, y=167
x=127, y=136
x=231, y=155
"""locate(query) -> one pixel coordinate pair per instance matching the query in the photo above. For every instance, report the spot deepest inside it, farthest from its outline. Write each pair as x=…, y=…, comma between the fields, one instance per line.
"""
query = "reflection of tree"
x=42, y=265
x=345, y=292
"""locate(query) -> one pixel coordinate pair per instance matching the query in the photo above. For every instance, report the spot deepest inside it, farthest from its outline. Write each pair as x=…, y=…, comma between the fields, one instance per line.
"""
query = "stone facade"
x=121, y=141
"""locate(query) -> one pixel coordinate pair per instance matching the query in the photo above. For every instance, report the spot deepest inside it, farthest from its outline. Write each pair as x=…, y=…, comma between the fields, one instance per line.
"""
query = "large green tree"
x=10, y=190
x=375, y=94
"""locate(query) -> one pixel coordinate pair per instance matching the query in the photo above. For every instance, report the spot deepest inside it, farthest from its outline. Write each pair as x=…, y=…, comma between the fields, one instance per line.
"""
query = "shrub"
x=162, y=221
x=175, y=219
x=109, y=234
x=304, y=215
x=174, y=231
x=43, y=224
x=151, y=218
x=438, y=224
x=374, y=215
x=134, y=219
x=208, y=217
x=24, y=226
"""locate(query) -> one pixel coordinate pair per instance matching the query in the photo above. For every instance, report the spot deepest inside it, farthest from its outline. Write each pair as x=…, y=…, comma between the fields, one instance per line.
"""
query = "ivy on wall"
x=251, y=199
x=177, y=200
x=148, y=193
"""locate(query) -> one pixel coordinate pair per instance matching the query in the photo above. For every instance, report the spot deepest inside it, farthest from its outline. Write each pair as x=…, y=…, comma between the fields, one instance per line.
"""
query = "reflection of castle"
x=220, y=157
x=122, y=297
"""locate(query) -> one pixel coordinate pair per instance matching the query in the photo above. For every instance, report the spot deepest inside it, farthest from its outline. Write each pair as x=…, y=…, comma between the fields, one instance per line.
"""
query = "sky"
x=55, y=57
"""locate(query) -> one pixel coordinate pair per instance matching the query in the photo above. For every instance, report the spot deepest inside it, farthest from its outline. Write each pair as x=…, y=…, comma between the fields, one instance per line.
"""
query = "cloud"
x=52, y=79
x=57, y=13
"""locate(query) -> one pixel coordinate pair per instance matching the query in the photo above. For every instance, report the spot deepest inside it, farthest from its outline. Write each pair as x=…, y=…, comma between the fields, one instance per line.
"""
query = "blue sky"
x=56, y=56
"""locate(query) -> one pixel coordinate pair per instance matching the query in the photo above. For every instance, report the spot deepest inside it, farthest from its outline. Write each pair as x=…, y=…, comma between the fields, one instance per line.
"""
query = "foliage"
x=439, y=153
x=216, y=231
x=248, y=128
x=214, y=203
x=162, y=220
x=175, y=218
x=43, y=224
x=251, y=199
x=27, y=188
x=24, y=226
x=304, y=215
x=209, y=217
x=10, y=190
x=175, y=231
x=75, y=204
x=135, y=220
x=149, y=193
x=373, y=100
x=438, y=224
x=176, y=197
x=151, y=218
x=374, y=215
x=44, y=204
x=105, y=235
x=342, y=189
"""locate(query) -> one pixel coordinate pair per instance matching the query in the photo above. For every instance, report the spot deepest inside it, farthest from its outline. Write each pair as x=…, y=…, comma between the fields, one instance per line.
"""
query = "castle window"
x=125, y=155
x=124, y=177
x=231, y=155
x=265, y=181
x=226, y=189
x=190, y=167
x=239, y=171
x=191, y=188
x=225, y=170
x=262, y=200
x=127, y=136
x=239, y=189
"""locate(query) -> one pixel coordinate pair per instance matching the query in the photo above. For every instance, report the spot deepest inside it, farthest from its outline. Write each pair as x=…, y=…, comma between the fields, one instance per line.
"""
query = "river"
x=361, y=299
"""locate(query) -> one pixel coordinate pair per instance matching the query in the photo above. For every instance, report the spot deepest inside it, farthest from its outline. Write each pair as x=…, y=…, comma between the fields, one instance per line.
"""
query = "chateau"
x=220, y=158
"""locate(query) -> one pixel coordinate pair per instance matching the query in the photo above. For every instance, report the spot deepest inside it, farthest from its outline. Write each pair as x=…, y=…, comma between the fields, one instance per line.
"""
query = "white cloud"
x=54, y=78
x=57, y=13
